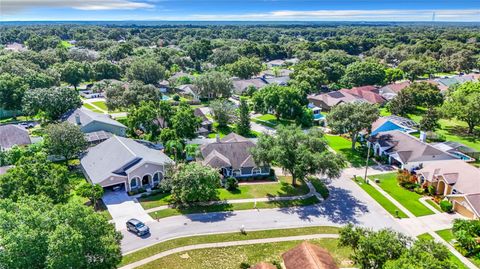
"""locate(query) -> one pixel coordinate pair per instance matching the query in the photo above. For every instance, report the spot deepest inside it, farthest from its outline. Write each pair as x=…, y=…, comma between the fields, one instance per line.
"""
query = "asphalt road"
x=347, y=204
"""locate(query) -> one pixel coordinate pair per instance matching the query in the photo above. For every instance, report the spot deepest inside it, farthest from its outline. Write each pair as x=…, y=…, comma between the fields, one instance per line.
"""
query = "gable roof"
x=474, y=201
x=308, y=256
x=368, y=93
x=408, y=148
x=331, y=99
x=232, y=150
x=394, y=87
x=11, y=135
x=239, y=85
x=87, y=116
x=118, y=156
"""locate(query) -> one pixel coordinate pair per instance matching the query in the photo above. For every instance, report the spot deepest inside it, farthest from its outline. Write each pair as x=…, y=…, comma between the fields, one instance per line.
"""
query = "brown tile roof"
x=232, y=150
x=308, y=256
x=264, y=265
x=368, y=93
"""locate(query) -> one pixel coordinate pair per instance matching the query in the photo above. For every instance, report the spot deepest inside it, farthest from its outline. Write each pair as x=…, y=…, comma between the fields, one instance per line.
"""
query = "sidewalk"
x=227, y=244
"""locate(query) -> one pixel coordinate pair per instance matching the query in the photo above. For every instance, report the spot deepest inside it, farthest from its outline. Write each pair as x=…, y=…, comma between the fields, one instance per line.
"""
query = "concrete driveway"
x=347, y=204
x=122, y=208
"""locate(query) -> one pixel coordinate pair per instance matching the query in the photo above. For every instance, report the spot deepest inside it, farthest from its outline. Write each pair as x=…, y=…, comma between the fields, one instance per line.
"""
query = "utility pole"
x=368, y=157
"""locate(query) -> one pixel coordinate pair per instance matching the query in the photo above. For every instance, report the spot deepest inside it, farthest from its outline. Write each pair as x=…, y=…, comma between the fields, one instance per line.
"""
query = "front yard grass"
x=409, y=199
x=343, y=146
x=382, y=200
x=448, y=236
x=453, y=258
x=92, y=108
x=226, y=207
x=245, y=191
x=234, y=257
x=435, y=205
x=101, y=105
x=222, y=237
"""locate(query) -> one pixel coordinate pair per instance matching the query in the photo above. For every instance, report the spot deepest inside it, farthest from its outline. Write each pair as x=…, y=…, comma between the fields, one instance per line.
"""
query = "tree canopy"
x=463, y=103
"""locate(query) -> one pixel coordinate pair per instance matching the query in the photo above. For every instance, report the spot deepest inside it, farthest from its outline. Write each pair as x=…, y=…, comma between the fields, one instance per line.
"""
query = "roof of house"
x=199, y=113
x=280, y=72
x=334, y=98
x=263, y=265
x=277, y=80
x=188, y=89
x=408, y=148
x=232, y=150
x=368, y=93
x=394, y=87
x=276, y=62
x=240, y=85
x=452, y=145
x=474, y=200
x=308, y=256
x=11, y=135
x=87, y=116
x=464, y=177
x=97, y=136
x=117, y=156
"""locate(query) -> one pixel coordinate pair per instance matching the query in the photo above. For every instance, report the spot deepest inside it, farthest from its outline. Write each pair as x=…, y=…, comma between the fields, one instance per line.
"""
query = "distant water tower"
x=433, y=17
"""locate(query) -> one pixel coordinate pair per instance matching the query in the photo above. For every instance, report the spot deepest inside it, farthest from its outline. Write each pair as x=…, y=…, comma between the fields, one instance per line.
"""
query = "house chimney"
x=423, y=136
x=77, y=119
x=217, y=138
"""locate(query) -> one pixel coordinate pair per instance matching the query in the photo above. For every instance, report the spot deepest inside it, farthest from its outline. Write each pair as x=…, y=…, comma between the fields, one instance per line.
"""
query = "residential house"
x=458, y=181
x=275, y=63
x=390, y=123
x=367, y=93
x=206, y=124
x=318, y=117
x=231, y=155
x=391, y=90
x=282, y=81
x=189, y=89
x=308, y=256
x=90, y=121
x=404, y=150
x=458, y=150
x=126, y=163
x=16, y=47
x=292, y=61
x=326, y=101
x=240, y=85
x=13, y=135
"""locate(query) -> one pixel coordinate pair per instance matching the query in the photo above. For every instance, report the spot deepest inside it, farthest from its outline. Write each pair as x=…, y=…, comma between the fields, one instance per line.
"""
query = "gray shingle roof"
x=88, y=116
x=117, y=156
x=232, y=150
x=11, y=135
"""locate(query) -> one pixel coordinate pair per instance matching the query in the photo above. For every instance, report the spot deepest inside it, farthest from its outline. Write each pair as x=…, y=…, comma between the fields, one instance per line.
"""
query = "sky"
x=240, y=10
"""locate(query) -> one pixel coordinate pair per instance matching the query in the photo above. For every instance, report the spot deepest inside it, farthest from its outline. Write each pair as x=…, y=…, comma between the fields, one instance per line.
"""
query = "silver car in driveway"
x=138, y=227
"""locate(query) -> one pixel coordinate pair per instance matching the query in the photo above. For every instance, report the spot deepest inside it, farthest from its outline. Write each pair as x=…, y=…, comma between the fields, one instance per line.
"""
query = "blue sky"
x=242, y=10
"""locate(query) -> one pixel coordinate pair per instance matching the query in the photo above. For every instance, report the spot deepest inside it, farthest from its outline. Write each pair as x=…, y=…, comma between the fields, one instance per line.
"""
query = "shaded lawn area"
x=453, y=258
x=282, y=188
x=409, y=199
x=231, y=207
x=448, y=236
x=233, y=257
x=344, y=146
x=223, y=237
x=382, y=200
x=320, y=187
x=270, y=120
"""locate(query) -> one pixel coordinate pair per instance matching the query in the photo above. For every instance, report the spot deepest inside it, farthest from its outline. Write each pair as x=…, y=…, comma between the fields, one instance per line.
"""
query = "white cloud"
x=350, y=15
x=15, y=6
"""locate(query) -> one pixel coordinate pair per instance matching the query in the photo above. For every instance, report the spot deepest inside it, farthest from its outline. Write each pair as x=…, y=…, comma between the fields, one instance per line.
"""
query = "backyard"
x=409, y=199
x=344, y=146
x=282, y=187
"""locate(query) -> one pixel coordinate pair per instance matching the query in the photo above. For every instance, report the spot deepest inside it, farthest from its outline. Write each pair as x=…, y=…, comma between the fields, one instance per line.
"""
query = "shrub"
x=231, y=183
x=446, y=206
x=405, y=178
x=176, y=97
x=244, y=265
x=419, y=190
x=431, y=190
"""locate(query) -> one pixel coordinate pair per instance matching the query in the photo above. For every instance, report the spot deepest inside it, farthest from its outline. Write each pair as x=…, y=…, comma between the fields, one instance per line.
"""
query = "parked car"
x=138, y=227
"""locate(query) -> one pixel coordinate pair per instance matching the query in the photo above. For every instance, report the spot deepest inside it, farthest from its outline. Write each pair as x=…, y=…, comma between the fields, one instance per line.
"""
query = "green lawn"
x=270, y=120
x=384, y=202
x=222, y=237
x=435, y=205
x=344, y=146
x=409, y=199
x=231, y=207
x=384, y=112
x=101, y=105
x=282, y=188
x=453, y=258
x=248, y=255
x=92, y=108
x=448, y=236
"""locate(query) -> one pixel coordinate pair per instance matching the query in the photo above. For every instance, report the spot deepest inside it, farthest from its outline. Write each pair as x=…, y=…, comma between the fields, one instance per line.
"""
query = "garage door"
x=464, y=211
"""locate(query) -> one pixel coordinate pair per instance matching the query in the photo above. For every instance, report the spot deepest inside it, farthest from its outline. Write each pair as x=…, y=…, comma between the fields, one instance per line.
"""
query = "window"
x=134, y=183
x=256, y=171
x=157, y=177
x=236, y=173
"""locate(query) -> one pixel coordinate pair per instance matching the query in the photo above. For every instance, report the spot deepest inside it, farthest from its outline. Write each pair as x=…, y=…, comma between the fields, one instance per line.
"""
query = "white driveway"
x=122, y=208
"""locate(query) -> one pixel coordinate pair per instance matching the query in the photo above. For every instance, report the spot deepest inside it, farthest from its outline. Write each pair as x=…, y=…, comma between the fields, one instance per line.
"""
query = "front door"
x=146, y=180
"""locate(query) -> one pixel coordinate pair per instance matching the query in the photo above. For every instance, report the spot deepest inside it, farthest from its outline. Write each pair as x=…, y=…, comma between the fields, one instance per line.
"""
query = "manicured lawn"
x=282, y=188
x=320, y=187
x=409, y=199
x=101, y=105
x=92, y=108
x=384, y=112
x=435, y=205
x=233, y=257
x=231, y=207
x=448, y=236
x=384, y=202
x=453, y=258
x=344, y=146
x=270, y=120
x=223, y=237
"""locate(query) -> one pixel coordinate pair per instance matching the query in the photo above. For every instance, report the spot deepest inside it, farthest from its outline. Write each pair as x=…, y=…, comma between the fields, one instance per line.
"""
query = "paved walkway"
x=423, y=200
x=227, y=244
